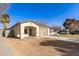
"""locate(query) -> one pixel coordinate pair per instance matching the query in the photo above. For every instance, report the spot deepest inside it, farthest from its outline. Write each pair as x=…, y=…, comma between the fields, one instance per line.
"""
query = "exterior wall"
x=43, y=31
x=1, y=31
x=18, y=30
x=49, y=31
x=11, y=33
x=34, y=31
x=25, y=25
x=15, y=32
x=23, y=34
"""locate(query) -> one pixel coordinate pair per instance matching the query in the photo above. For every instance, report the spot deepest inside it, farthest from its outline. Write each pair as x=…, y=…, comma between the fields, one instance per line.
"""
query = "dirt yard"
x=37, y=47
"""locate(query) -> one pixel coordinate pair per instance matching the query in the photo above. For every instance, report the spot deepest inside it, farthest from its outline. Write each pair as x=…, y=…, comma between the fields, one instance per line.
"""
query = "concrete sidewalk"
x=75, y=40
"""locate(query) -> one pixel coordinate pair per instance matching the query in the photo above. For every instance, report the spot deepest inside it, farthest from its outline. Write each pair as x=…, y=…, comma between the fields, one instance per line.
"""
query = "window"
x=25, y=31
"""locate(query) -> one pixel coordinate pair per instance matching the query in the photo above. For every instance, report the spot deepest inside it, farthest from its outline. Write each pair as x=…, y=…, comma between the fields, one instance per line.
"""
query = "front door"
x=30, y=31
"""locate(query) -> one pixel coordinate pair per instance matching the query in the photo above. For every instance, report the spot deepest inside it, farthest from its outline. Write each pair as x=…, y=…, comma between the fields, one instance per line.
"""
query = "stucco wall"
x=34, y=31
x=43, y=31
x=16, y=31
x=28, y=24
x=37, y=30
x=49, y=31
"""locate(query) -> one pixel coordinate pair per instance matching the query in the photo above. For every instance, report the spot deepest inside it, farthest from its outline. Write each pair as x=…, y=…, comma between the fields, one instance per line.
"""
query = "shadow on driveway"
x=67, y=48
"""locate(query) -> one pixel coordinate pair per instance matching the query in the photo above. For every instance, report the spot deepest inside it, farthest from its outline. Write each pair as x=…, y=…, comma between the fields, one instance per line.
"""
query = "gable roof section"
x=30, y=21
x=35, y=22
x=17, y=24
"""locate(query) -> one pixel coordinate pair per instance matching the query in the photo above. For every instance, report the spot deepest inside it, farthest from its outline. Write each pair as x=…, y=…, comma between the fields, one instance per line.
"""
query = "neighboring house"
x=28, y=28
x=53, y=32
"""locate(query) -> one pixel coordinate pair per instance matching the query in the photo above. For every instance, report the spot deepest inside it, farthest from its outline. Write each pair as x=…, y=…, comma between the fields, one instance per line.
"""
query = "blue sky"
x=52, y=13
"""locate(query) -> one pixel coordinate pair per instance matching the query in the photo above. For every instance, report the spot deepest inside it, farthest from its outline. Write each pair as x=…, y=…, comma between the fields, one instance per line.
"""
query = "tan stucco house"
x=29, y=28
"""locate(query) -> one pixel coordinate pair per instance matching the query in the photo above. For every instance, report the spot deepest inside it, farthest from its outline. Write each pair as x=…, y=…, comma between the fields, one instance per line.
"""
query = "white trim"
x=28, y=24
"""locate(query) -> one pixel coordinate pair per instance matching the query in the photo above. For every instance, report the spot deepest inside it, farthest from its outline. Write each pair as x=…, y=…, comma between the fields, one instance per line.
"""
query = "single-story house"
x=28, y=28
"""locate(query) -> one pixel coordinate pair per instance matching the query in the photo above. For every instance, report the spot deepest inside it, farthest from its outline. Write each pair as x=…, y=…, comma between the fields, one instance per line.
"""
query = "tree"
x=42, y=23
x=5, y=20
x=56, y=28
x=71, y=25
x=3, y=7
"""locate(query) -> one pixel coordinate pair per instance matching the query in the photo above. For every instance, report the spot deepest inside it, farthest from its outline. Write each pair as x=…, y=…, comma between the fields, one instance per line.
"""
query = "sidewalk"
x=75, y=40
